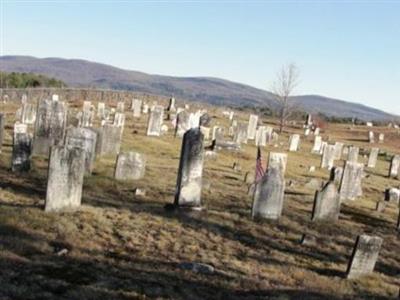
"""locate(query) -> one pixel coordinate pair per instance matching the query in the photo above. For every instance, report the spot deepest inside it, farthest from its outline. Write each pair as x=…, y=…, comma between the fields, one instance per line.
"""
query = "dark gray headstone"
x=20, y=161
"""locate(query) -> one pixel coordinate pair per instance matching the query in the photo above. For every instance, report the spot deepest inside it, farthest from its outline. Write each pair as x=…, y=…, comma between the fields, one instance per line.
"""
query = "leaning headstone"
x=83, y=138
x=130, y=166
x=294, y=142
x=373, y=157
x=155, y=121
x=317, y=144
x=240, y=135
x=136, y=107
x=190, y=172
x=65, y=178
x=109, y=140
x=328, y=157
x=364, y=256
x=252, y=126
x=268, y=195
x=2, y=122
x=326, y=202
x=353, y=154
x=394, y=166
x=20, y=160
x=350, y=185
x=50, y=126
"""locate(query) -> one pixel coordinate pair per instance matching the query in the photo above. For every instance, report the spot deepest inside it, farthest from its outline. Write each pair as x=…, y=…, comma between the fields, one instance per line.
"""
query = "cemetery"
x=129, y=195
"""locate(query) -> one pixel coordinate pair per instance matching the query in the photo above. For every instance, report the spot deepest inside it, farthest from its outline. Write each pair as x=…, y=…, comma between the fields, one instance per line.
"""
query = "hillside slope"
x=81, y=73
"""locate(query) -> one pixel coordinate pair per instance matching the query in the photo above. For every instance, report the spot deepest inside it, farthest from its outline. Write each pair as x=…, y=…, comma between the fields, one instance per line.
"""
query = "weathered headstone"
x=130, y=166
x=109, y=140
x=87, y=114
x=182, y=123
x=20, y=161
x=394, y=166
x=136, y=107
x=277, y=160
x=240, y=135
x=83, y=138
x=28, y=115
x=65, y=178
x=101, y=110
x=353, y=154
x=338, y=150
x=261, y=136
x=317, y=144
x=190, y=172
x=381, y=138
x=155, y=121
x=373, y=157
x=371, y=137
x=327, y=203
x=328, y=157
x=119, y=119
x=269, y=195
x=364, y=256
x=120, y=106
x=350, y=185
x=251, y=129
x=294, y=142
x=50, y=126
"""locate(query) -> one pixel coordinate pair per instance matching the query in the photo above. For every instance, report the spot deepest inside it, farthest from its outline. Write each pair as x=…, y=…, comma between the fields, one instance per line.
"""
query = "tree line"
x=28, y=80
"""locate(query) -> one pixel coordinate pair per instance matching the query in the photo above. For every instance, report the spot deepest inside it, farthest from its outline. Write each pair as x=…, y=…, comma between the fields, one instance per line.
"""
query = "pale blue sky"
x=345, y=49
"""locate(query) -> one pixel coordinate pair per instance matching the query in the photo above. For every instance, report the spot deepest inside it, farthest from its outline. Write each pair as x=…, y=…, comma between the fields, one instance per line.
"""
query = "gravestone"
x=50, y=126
x=65, y=178
x=328, y=157
x=317, y=131
x=317, y=145
x=130, y=166
x=353, y=154
x=294, y=142
x=364, y=256
x=217, y=133
x=119, y=119
x=190, y=172
x=136, y=107
x=2, y=123
x=87, y=114
x=145, y=108
x=371, y=137
x=101, y=110
x=269, y=134
x=194, y=119
x=206, y=132
x=268, y=196
x=109, y=140
x=240, y=135
x=392, y=195
x=28, y=114
x=277, y=160
x=261, y=137
x=155, y=121
x=182, y=123
x=394, y=166
x=120, y=106
x=252, y=126
x=373, y=157
x=381, y=138
x=326, y=203
x=83, y=138
x=336, y=175
x=338, y=150
x=21, y=152
x=350, y=185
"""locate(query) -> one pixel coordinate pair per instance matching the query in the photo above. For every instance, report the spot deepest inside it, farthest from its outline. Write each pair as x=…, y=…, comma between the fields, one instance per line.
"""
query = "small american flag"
x=259, y=166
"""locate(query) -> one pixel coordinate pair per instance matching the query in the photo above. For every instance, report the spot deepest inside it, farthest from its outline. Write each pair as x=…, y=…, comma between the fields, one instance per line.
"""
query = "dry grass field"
x=122, y=246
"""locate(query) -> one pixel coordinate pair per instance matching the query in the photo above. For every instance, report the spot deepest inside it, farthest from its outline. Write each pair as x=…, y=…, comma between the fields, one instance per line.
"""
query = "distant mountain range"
x=82, y=73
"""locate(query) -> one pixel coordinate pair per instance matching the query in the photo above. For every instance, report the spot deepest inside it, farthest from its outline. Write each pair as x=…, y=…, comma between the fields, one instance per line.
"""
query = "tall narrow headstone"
x=190, y=172
x=381, y=138
x=353, y=154
x=2, y=122
x=251, y=130
x=351, y=183
x=373, y=157
x=101, y=108
x=317, y=144
x=83, y=138
x=155, y=121
x=294, y=142
x=240, y=135
x=28, y=113
x=328, y=157
x=394, y=166
x=137, y=107
x=364, y=256
x=130, y=166
x=371, y=137
x=261, y=136
x=268, y=195
x=20, y=160
x=65, y=178
x=182, y=123
x=87, y=114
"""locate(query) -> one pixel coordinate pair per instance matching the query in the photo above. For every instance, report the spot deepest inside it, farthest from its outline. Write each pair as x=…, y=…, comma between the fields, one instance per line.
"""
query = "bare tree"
x=286, y=81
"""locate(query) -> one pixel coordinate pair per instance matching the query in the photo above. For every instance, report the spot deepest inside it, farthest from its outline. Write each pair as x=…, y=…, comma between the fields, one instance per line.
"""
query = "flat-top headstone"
x=130, y=166
x=351, y=183
x=327, y=203
x=190, y=172
x=28, y=113
x=109, y=140
x=101, y=110
x=328, y=157
x=65, y=178
x=155, y=121
x=136, y=107
x=373, y=157
x=268, y=196
x=338, y=150
x=252, y=127
x=294, y=142
x=364, y=256
x=353, y=154
x=261, y=136
x=371, y=137
x=83, y=138
x=20, y=160
x=240, y=134
x=317, y=145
